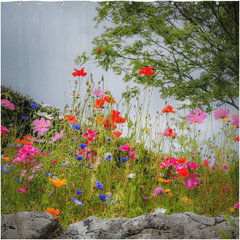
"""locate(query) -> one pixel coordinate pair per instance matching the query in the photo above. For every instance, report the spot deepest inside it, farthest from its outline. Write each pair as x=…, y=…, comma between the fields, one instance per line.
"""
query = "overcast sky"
x=39, y=44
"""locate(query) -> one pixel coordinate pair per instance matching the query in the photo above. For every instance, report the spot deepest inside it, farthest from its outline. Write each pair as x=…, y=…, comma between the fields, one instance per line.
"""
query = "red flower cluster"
x=147, y=71
x=168, y=109
x=79, y=73
x=111, y=119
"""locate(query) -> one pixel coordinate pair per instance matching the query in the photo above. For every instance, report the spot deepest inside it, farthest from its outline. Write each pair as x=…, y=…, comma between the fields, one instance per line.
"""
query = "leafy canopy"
x=177, y=39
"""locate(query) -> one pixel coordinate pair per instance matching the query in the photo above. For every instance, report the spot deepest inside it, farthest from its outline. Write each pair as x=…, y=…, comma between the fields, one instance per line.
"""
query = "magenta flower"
x=197, y=117
x=168, y=162
x=125, y=147
x=41, y=126
x=192, y=182
x=145, y=198
x=3, y=130
x=158, y=190
x=193, y=165
x=236, y=205
x=89, y=134
x=221, y=113
x=7, y=104
x=99, y=93
x=235, y=120
x=23, y=190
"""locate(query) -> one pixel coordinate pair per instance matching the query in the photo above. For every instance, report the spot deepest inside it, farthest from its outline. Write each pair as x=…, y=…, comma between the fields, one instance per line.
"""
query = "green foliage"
x=22, y=108
x=177, y=39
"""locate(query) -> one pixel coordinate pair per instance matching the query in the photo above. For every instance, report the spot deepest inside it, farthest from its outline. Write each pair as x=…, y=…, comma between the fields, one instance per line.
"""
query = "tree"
x=176, y=39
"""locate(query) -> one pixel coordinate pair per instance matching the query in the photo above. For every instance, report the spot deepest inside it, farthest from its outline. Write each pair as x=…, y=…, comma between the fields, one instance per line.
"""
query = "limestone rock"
x=27, y=225
x=148, y=226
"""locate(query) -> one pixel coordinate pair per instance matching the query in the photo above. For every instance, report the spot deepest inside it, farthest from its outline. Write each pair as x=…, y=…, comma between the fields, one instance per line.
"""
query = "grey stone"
x=147, y=226
x=29, y=225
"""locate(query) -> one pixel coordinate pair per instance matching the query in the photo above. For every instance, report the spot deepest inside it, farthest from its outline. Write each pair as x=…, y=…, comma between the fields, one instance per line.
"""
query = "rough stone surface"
x=29, y=225
x=148, y=226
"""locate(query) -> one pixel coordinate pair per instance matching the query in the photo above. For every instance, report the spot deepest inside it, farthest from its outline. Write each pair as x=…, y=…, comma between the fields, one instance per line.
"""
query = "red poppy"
x=147, y=71
x=116, y=134
x=99, y=50
x=107, y=99
x=168, y=109
x=109, y=125
x=99, y=103
x=237, y=139
x=115, y=116
x=183, y=173
x=181, y=160
x=72, y=119
x=79, y=73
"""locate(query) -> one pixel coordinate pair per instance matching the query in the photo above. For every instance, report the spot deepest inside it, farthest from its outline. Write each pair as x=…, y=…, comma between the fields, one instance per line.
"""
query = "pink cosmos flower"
x=145, y=198
x=99, y=161
x=29, y=178
x=7, y=104
x=125, y=147
x=89, y=134
x=23, y=190
x=221, y=113
x=192, y=182
x=99, y=93
x=235, y=120
x=197, y=117
x=193, y=165
x=3, y=130
x=158, y=190
x=236, y=205
x=193, y=154
x=46, y=105
x=41, y=126
x=57, y=136
x=213, y=166
x=35, y=139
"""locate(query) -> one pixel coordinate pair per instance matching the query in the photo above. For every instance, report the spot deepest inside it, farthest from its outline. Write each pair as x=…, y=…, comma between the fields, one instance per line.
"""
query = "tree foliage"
x=177, y=39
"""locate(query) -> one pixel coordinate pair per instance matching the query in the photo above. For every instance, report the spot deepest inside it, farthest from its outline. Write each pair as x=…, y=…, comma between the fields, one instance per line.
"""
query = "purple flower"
x=78, y=192
x=221, y=113
x=6, y=168
x=197, y=117
x=76, y=126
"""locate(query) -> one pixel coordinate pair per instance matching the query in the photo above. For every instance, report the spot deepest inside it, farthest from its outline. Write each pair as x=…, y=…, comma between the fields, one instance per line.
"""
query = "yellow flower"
x=167, y=190
x=187, y=200
x=225, y=119
x=57, y=182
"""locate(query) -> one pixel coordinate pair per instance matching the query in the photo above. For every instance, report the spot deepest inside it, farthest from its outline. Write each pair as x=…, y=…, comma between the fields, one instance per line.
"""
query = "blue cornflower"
x=79, y=157
x=108, y=157
x=77, y=202
x=99, y=185
x=6, y=168
x=101, y=196
x=82, y=145
x=109, y=196
x=76, y=126
x=123, y=159
x=111, y=202
x=78, y=192
x=72, y=140
x=33, y=105
x=24, y=117
x=54, y=177
x=48, y=174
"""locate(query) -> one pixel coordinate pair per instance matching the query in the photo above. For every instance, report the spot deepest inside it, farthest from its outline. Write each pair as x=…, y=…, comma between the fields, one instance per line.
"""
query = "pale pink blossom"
x=235, y=120
x=41, y=126
x=98, y=93
x=221, y=113
x=197, y=117
x=7, y=104
x=158, y=190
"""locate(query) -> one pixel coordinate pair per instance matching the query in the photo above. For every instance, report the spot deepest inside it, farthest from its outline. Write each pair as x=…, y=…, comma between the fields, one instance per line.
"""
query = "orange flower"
x=187, y=200
x=53, y=212
x=168, y=109
x=170, y=194
x=57, y=182
x=181, y=160
x=183, y=173
x=98, y=120
x=167, y=190
x=116, y=134
x=164, y=180
x=108, y=125
x=109, y=100
x=6, y=150
x=99, y=103
x=72, y=119
x=6, y=159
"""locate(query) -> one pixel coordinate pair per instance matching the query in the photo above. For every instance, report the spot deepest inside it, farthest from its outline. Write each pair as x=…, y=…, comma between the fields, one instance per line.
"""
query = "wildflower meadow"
x=80, y=164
